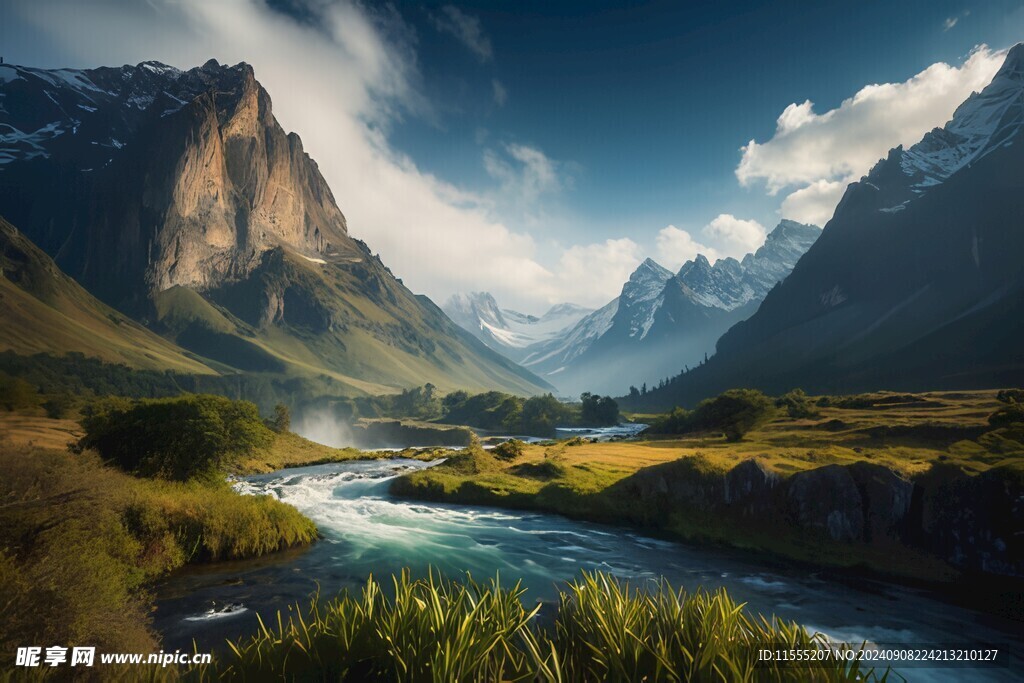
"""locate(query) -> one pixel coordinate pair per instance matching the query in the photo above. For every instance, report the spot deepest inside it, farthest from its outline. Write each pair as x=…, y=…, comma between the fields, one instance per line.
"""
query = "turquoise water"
x=367, y=532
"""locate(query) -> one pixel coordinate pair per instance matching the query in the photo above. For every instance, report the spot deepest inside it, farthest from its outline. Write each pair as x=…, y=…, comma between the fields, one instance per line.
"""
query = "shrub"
x=1009, y=415
x=1011, y=396
x=191, y=436
x=282, y=420
x=58, y=406
x=675, y=422
x=509, y=450
x=797, y=404
x=734, y=413
x=16, y=393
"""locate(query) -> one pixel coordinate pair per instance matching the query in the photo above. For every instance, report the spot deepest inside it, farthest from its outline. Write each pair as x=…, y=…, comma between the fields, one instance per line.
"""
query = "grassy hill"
x=44, y=310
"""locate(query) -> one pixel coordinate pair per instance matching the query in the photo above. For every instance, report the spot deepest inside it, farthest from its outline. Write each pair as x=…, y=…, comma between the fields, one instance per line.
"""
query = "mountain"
x=176, y=197
x=916, y=283
x=45, y=311
x=506, y=331
x=663, y=322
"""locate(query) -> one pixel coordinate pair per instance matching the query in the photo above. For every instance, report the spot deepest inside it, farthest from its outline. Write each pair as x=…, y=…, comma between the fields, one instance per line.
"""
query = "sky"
x=542, y=150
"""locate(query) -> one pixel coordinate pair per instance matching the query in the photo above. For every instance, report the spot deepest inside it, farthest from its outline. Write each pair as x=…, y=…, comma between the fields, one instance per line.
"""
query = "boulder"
x=826, y=500
x=885, y=499
x=749, y=487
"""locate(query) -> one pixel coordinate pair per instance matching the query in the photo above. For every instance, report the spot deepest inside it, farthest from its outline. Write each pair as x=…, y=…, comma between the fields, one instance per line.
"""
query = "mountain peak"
x=648, y=270
x=1013, y=65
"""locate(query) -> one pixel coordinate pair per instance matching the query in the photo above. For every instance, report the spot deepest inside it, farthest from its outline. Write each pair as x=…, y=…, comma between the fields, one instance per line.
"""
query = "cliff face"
x=177, y=197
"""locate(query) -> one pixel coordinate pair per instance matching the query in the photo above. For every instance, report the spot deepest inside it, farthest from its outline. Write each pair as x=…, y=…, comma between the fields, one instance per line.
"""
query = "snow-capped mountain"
x=178, y=198
x=506, y=331
x=917, y=281
x=984, y=122
x=662, y=323
x=85, y=116
x=557, y=352
x=640, y=298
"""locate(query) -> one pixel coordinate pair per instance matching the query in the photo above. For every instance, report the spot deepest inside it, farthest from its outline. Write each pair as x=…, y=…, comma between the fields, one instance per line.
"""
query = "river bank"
x=367, y=531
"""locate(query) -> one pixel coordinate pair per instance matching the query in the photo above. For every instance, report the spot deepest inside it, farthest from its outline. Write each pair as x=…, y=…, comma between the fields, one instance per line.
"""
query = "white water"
x=365, y=531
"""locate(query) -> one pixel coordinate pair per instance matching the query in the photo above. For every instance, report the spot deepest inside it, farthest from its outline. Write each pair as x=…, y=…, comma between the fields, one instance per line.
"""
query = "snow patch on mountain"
x=506, y=330
x=982, y=123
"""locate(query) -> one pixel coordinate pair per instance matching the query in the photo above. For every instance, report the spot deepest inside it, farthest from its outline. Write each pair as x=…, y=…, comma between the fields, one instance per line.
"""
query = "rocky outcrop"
x=885, y=499
x=750, y=488
x=973, y=522
x=405, y=433
x=826, y=500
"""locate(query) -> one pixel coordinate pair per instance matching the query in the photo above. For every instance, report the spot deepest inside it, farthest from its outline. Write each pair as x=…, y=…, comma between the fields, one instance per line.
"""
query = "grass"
x=80, y=541
x=45, y=310
x=436, y=629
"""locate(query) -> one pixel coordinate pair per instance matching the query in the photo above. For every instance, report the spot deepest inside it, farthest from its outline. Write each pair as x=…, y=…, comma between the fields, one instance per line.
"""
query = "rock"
x=975, y=522
x=885, y=499
x=749, y=487
x=826, y=499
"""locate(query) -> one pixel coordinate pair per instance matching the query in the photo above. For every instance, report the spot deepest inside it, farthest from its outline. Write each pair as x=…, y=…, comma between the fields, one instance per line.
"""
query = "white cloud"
x=525, y=173
x=339, y=82
x=731, y=236
x=676, y=247
x=950, y=22
x=724, y=236
x=467, y=30
x=500, y=92
x=816, y=153
x=596, y=271
x=815, y=203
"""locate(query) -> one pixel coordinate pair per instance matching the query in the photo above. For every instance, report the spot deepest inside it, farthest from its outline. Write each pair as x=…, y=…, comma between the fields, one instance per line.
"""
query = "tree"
x=797, y=404
x=734, y=413
x=190, y=436
x=598, y=410
x=634, y=392
x=541, y=414
x=282, y=421
x=17, y=394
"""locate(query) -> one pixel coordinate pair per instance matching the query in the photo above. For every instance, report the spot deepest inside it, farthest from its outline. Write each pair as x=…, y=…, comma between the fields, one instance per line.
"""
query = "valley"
x=475, y=409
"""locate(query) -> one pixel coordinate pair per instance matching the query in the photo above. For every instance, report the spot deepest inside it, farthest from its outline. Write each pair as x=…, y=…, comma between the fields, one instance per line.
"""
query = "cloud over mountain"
x=820, y=153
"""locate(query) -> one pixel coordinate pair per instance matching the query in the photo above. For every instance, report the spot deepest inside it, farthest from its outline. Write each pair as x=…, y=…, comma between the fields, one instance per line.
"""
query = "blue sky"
x=540, y=150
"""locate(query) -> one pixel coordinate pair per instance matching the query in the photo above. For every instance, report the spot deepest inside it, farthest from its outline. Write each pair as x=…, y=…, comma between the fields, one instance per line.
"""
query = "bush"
x=192, y=436
x=797, y=404
x=17, y=394
x=675, y=422
x=282, y=420
x=1009, y=415
x=1011, y=396
x=509, y=450
x=734, y=413
x=58, y=406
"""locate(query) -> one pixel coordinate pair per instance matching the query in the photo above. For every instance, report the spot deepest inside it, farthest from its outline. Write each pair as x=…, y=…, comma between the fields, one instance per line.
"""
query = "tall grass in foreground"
x=435, y=629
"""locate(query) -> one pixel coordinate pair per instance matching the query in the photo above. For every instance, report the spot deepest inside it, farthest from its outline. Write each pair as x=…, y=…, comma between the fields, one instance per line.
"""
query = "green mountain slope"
x=43, y=310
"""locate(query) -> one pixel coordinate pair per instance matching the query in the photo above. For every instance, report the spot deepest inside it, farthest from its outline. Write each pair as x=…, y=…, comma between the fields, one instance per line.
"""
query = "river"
x=366, y=531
